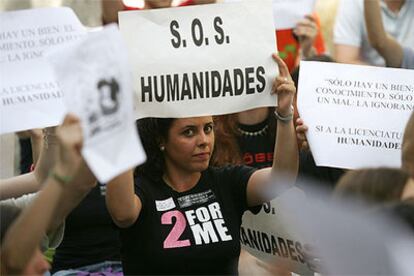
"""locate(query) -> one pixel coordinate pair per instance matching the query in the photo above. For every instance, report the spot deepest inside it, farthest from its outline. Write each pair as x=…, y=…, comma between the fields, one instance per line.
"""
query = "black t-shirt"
x=90, y=235
x=26, y=156
x=192, y=232
x=308, y=171
x=256, y=146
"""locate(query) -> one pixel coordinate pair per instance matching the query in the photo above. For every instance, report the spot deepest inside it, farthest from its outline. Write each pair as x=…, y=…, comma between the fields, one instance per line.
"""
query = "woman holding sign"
x=183, y=216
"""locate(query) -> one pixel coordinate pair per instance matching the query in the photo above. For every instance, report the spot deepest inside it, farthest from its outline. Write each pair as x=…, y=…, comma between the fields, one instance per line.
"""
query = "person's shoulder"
x=143, y=181
x=230, y=170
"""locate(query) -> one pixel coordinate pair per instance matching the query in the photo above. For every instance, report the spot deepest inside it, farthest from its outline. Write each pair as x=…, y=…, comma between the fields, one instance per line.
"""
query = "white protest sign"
x=287, y=13
x=96, y=80
x=356, y=114
x=265, y=237
x=201, y=60
x=30, y=97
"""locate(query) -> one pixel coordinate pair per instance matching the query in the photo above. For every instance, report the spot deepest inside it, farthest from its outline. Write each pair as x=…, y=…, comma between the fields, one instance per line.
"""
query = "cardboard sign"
x=287, y=13
x=265, y=237
x=356, y=114
x=201, y=60
x=96, y=80
x=30, y=97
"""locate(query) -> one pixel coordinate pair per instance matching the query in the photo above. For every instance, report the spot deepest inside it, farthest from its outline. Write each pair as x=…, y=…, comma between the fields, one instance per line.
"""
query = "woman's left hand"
x=284, y=87
x=70, y=139
x=301, y=130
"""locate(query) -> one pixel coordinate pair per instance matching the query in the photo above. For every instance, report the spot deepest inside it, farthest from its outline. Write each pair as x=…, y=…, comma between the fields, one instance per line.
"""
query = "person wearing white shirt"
x=350, y=35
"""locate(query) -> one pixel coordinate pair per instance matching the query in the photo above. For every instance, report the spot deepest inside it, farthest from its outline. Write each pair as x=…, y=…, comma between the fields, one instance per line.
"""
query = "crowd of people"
x=181, y=211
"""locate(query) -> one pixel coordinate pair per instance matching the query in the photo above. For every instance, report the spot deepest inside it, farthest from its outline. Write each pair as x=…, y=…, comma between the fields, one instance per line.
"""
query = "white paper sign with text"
x=30, y=97
x=356, y=114
x=287, y=13
x=97, y=83
x=265, y=237
x=201, y=60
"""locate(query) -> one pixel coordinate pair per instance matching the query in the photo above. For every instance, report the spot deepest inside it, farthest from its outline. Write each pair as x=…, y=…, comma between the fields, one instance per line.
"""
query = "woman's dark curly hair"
x=152, y=131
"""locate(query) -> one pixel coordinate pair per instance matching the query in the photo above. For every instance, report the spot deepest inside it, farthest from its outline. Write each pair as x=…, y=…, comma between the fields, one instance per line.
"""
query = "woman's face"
x=189, y=145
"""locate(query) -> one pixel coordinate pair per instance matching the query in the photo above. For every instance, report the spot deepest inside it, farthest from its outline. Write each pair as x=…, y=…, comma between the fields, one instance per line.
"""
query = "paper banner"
x=265, y=236
x=30, y=97
x=287, y=13
x=96, y=80
x=201, y=60
x=356, y=114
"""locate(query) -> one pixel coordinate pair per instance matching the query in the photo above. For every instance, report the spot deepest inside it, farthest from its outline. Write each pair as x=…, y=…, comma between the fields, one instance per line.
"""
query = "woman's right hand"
x=301, y=130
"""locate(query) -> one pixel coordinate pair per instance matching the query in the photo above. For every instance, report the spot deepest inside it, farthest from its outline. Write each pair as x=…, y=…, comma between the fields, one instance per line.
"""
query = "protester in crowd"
x=375, y=186
x=91, y=242
x=177, y=176
x=395, y=54
x=308, y=171
x=350, y=35
x=65, y=186
x=248, y=137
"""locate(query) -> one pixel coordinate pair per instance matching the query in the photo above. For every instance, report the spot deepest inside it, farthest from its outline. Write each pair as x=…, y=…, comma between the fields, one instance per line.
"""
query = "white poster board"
x=30, y=97
x=97, y=83
x=265, y=236
x=201, y=60
x=287, y=13
x=356, y=114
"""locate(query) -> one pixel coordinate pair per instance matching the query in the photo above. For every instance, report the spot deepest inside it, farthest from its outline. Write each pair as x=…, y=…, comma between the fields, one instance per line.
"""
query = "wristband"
x=285, y=119
x=62, y=179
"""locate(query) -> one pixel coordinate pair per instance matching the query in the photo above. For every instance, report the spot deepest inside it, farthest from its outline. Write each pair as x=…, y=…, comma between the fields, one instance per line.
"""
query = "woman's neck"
x=394, y=5
x=253, y=116
x=181, y=181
